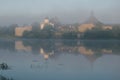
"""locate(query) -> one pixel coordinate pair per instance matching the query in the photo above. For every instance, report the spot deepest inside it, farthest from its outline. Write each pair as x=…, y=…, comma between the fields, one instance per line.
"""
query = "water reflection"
x=7, y=45
x=72, y=59
x=46, y=54
x=20, y=47
x=53, y=48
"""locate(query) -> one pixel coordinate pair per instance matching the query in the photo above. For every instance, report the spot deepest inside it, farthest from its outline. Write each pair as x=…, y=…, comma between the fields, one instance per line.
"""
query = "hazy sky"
x=68, y=11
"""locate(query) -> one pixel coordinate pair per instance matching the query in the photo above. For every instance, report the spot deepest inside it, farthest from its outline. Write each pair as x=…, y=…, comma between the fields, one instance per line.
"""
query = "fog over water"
x=68, y=11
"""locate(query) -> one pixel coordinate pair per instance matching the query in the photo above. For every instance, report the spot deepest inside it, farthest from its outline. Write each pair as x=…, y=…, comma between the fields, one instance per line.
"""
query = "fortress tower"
x=89, y=24
x=92, y=19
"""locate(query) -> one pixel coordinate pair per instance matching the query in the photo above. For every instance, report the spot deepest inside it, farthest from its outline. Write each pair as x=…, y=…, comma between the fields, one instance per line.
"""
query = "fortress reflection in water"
x=74, y=57
x=53, y=48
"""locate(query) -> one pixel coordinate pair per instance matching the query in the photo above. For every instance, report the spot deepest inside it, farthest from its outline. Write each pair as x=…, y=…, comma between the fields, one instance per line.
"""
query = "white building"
x=45, y=22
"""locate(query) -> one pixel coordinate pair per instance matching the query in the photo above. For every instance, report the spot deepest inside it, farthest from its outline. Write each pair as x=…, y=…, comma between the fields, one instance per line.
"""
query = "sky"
x=68, y=11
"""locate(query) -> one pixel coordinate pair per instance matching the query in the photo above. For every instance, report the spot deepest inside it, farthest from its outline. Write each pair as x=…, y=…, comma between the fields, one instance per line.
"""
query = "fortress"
x=91, y=23
x=20, y=30
x=87, y=25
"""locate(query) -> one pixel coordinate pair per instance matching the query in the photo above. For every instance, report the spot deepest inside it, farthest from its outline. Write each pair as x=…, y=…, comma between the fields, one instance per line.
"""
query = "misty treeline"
x=47, y=32
x=8, y=31
x=50, y=32
x=53, y=33
x=98, y=33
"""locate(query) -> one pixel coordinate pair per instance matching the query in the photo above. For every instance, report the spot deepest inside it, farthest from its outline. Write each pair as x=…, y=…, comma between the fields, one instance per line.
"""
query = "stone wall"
x=20, y=30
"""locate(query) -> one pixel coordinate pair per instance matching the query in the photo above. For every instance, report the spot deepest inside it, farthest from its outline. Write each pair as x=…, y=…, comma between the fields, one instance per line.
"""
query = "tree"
x=69, y=35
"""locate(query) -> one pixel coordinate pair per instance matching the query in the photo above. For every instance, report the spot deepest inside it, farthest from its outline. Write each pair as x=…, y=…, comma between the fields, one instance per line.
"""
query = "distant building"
x=89, y=24
x=56, y=22
x=20, y=30
x=107, y=27
x=67, y=28
x=82, y=28
x=45, y=22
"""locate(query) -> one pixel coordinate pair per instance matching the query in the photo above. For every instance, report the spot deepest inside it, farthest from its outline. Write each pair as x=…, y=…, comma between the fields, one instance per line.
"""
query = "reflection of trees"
x=46, y=45
x=7, y=45
x=103, y=46
x=53, y=48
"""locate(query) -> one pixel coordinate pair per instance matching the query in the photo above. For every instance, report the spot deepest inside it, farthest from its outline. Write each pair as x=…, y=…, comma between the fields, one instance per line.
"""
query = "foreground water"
x=60, y=60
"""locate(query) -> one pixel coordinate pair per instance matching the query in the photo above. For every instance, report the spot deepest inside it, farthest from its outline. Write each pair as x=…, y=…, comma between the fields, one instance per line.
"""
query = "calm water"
x=60, y=60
